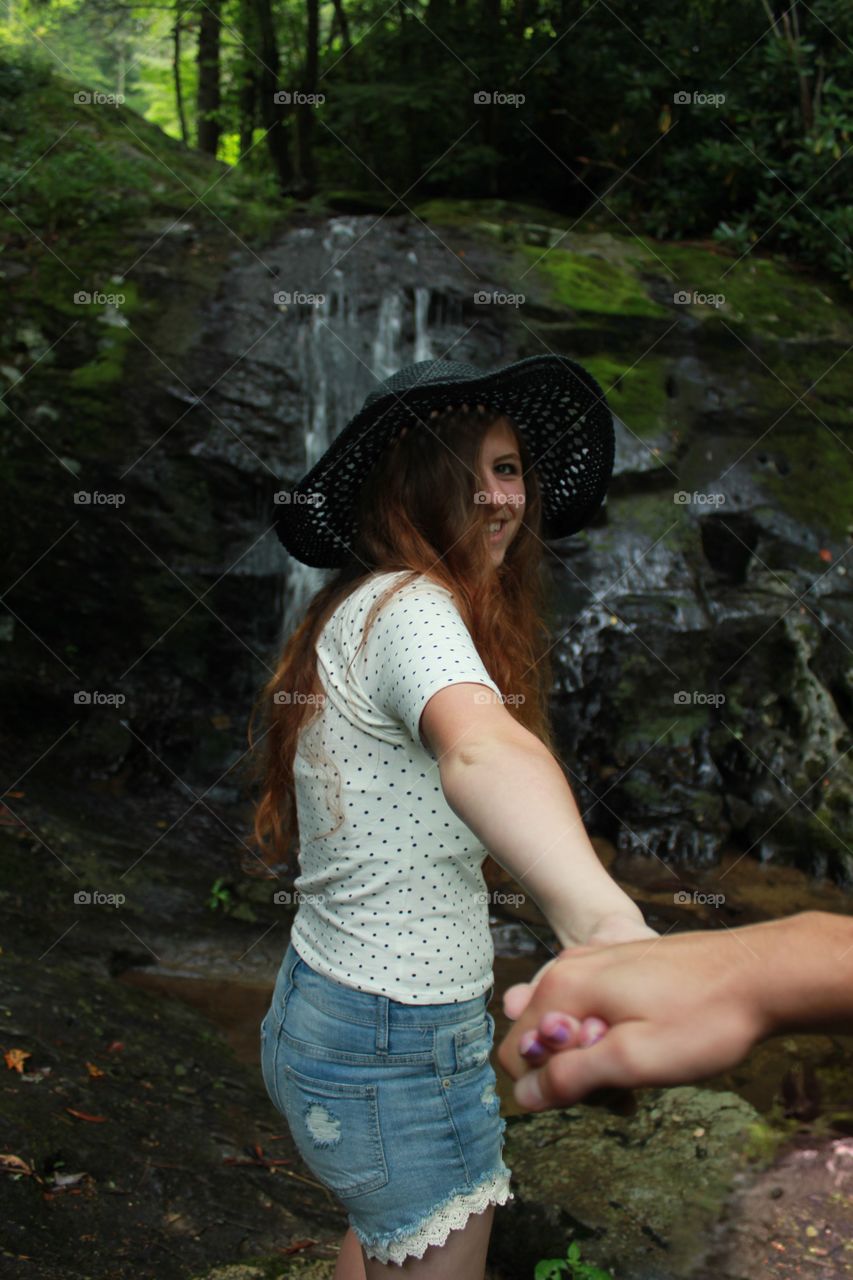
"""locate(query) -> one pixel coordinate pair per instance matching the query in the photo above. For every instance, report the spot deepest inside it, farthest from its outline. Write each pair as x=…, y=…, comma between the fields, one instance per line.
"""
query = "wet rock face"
x=639, y=1192
x=704, y=622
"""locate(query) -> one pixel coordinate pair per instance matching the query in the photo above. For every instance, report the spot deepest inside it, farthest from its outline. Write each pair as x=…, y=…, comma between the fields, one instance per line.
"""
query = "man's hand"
x=678, y=1009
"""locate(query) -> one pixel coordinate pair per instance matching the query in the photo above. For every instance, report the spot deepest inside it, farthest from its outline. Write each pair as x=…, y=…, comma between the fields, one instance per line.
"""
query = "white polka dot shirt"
x=394, y=902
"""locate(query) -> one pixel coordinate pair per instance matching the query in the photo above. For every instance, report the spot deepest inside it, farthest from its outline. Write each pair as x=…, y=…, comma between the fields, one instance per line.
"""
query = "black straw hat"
x=557, y=406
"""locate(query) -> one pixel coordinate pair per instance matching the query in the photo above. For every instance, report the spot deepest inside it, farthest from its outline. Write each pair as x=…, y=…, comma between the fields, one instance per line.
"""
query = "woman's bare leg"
x=462, y=1256
x=350, y=1264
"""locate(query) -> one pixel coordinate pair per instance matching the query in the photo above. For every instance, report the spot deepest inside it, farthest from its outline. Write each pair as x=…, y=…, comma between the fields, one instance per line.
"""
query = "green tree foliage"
x=729, y=119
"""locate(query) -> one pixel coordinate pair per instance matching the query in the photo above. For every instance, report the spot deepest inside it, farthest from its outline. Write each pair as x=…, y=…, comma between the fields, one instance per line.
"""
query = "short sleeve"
x=418, y=644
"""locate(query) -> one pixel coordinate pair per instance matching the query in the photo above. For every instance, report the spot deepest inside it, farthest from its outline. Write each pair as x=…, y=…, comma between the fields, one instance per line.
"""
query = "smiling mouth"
x=496, y=528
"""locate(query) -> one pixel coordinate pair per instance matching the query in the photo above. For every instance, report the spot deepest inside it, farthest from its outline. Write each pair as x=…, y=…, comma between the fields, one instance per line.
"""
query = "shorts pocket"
x=336, y=1130
x=472, y=1044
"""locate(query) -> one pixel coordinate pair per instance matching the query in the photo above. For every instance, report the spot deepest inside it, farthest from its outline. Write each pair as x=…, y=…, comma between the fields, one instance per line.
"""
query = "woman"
x=417, y=687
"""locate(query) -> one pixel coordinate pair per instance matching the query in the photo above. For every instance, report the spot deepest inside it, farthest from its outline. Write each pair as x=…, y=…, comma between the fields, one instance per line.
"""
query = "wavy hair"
x=417, y=512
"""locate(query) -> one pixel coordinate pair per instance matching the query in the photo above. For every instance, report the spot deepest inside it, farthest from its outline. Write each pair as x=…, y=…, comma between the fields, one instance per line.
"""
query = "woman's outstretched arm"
x=509, y=789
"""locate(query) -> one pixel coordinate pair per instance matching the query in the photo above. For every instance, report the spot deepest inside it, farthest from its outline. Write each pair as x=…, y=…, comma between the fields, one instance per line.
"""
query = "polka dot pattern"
x=394, y=901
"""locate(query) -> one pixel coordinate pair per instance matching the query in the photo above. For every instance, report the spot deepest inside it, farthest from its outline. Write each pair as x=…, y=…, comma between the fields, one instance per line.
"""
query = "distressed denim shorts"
x=393, y=1107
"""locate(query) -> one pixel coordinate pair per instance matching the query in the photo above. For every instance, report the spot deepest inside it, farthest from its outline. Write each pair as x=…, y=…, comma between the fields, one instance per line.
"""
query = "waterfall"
x=340, y=351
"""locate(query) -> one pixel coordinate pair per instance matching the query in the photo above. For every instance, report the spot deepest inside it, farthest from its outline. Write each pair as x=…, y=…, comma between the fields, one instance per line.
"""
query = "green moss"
x=818, y=489
x=113, y=167
x=656, y=516
x=636, y=391
x=761, y=294
x=586, y=283
x=763, y=1141
x=676, y=729
x=500, y=213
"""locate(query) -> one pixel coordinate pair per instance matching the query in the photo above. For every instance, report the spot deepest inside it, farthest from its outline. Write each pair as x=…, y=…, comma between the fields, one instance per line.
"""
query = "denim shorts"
x=393, y=1107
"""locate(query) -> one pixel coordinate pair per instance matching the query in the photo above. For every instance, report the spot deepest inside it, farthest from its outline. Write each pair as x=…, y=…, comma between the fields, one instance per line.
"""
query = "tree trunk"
x=343, y=25
x=176, y=72
x=207, y=100
x=305, y=173
x=247, y=97
x=410, y=160
x=273, y=111
x=491, y=41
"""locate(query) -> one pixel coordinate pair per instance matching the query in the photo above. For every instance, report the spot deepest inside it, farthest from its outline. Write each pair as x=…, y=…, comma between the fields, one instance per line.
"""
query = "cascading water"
x=338, y=360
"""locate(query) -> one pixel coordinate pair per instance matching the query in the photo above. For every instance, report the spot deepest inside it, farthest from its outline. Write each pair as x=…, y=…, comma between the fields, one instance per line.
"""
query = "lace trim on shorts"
x=450, y=1215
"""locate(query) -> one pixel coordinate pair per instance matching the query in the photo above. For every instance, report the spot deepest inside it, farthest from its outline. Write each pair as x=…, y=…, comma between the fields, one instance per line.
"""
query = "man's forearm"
x=516, y=800
x=802, y=972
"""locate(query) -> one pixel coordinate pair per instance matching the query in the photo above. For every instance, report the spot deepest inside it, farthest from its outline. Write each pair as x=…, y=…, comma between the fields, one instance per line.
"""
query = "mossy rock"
x=343, y=201
x=585, y=283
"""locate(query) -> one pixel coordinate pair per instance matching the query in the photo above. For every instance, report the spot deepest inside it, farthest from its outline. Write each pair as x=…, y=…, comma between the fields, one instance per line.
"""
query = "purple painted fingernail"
x=560, y=1035
x=530, y=1046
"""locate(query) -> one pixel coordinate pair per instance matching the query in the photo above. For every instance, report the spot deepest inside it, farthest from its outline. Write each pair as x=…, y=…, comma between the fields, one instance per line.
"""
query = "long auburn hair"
x=416, y=511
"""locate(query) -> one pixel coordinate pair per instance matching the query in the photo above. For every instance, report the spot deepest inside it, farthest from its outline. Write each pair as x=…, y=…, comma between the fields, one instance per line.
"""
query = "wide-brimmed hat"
x=557, y=406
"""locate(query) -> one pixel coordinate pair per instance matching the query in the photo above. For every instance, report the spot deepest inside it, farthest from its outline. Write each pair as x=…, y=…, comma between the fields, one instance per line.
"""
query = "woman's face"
x=501, y=502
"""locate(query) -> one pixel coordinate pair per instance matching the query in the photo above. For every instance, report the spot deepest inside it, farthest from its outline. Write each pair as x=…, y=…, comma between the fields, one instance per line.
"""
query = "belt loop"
x=382, y=1024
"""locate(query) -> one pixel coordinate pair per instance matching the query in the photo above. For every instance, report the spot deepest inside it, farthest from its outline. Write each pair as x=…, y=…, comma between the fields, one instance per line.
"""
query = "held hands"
x=558, y=1030
x=658, y=1011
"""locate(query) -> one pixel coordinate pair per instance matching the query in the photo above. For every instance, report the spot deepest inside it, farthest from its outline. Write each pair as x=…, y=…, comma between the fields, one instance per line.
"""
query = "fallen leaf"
x=83, y=1115
x=296, y=1247
x=825, y=555
x=15, y=1059
x=94, y=1071
x=115, y=1047
x=14, y=1164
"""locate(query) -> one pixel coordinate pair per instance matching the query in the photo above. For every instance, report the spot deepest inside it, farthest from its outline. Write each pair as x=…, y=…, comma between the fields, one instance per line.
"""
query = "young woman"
x=410, y=706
